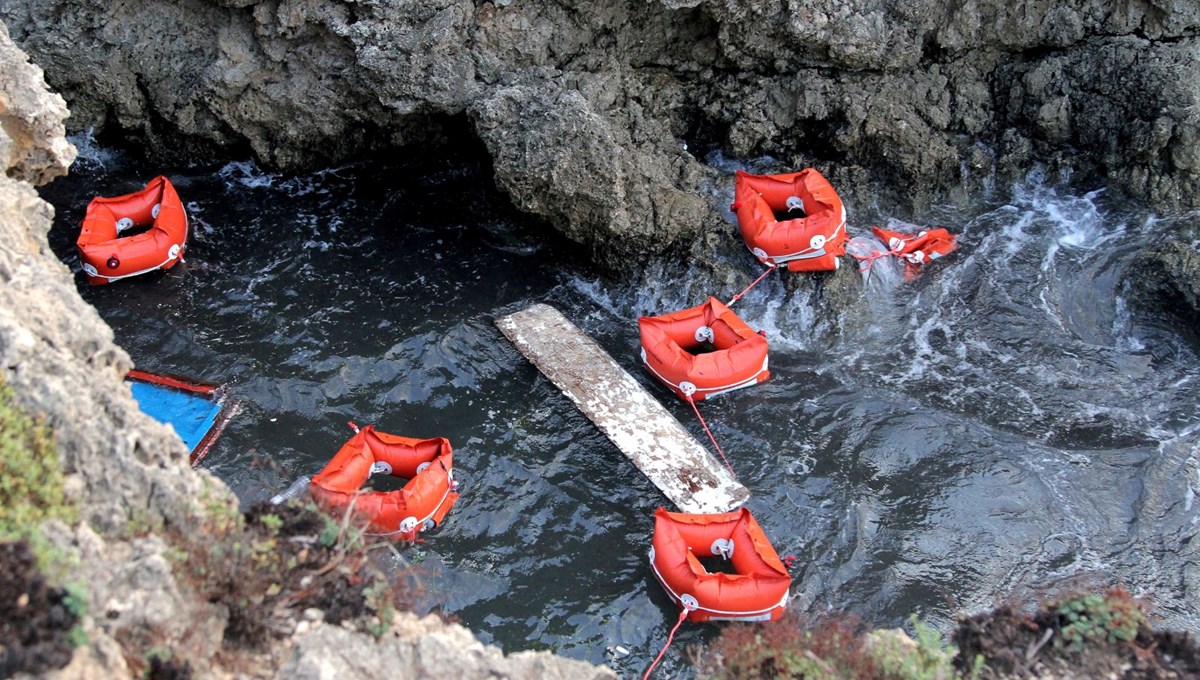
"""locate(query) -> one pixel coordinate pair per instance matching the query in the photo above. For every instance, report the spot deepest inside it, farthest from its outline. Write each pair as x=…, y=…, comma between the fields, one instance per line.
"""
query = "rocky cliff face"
x=598, y=116
x=129, y=474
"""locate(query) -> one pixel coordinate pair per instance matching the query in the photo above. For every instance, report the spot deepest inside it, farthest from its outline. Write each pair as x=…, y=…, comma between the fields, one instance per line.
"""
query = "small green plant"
x=379, y=599
x=275, y=561
x=329, y=532
x=793, y=647
x=1112, y=617
x=31, y=479
x=272, y=522
x=75, y=599
x=901, y=657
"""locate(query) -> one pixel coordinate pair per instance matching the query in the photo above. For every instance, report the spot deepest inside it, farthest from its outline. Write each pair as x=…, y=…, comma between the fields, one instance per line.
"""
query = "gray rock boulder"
x=427, y=647
x=599, y=117
x=1166, y=279
x=33, y=146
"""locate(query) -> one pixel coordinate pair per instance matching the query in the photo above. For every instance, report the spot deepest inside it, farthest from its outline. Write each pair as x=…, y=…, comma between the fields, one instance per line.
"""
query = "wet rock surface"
x=600, y=117
x=1166, y=278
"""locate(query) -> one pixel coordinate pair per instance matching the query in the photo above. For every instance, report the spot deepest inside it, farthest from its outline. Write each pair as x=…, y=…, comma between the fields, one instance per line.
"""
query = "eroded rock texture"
x=599, y=116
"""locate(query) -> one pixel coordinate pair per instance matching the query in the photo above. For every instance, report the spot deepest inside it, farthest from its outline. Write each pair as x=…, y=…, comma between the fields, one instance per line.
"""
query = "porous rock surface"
x=423, y=644
x=129, y=474
x=600, y=116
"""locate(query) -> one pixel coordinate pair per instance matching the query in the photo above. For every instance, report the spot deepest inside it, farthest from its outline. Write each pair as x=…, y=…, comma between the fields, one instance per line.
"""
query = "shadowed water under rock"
x=999, y=423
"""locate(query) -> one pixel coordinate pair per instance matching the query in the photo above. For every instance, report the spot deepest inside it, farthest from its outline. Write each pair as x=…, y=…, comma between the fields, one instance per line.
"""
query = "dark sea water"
x=1001, y=423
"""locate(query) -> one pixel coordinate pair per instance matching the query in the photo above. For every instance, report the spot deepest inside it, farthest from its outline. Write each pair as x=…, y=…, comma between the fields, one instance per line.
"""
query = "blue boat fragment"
x=196, y=411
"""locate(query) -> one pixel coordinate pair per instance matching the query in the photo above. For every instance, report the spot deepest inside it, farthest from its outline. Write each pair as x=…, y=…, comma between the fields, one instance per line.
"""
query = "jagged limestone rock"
x=32, y=143
x=428, y=647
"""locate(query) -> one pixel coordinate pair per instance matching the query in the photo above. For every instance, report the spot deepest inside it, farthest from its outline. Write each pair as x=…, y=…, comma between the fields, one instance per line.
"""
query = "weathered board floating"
x=624, y=411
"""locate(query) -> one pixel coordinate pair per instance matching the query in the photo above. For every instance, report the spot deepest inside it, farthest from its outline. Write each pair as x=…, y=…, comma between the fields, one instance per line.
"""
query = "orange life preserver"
x=916, y=249
x=420, y=506
x=811, y=242
x=740, y=359
x=106, y=256
x=757, y=592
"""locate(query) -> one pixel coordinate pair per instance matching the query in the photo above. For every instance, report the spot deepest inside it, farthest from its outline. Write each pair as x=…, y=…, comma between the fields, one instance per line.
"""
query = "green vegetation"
x=1113, y=617
x=826, y=649
x=272, y=562
x=1086, y=634
x=32, y=492
x=901, y=657
x=75, y=599
x=31, y=479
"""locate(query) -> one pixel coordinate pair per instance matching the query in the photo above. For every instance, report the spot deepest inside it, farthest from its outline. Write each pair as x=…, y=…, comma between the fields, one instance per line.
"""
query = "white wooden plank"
x=625, y=412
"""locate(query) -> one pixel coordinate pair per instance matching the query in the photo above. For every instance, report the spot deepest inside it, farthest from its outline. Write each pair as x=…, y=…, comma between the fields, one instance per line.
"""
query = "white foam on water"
x=89, y=154
x=246, y=174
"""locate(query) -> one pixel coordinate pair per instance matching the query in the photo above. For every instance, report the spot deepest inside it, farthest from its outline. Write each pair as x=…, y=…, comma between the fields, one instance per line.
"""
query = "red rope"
x=870, y=258
x=762, y=276
x=682, y=617
x=710, y=436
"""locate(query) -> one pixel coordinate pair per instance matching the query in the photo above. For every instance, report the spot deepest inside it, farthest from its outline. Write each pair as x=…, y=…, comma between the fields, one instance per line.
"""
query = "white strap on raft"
x=723, y=547
x=794, y=203
x=704, y=334
x=124, y=223
x=380, y=467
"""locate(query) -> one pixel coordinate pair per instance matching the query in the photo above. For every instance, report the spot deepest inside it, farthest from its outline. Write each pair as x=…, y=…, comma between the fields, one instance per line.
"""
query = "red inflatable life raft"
x=916, y=249
x=420, y=506
x=673, y=344
x=812, y=241
x=757, y=592
x=106, y=256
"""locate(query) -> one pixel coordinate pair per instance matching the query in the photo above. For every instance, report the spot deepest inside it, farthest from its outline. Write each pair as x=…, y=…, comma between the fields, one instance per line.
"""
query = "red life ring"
x=106, y=256
x=670, y=345
x=812, y=241
x=757, y=592
x=420, y=506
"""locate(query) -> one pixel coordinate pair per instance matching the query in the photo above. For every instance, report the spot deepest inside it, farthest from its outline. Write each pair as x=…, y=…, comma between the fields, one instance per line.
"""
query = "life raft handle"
x=723, y=547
